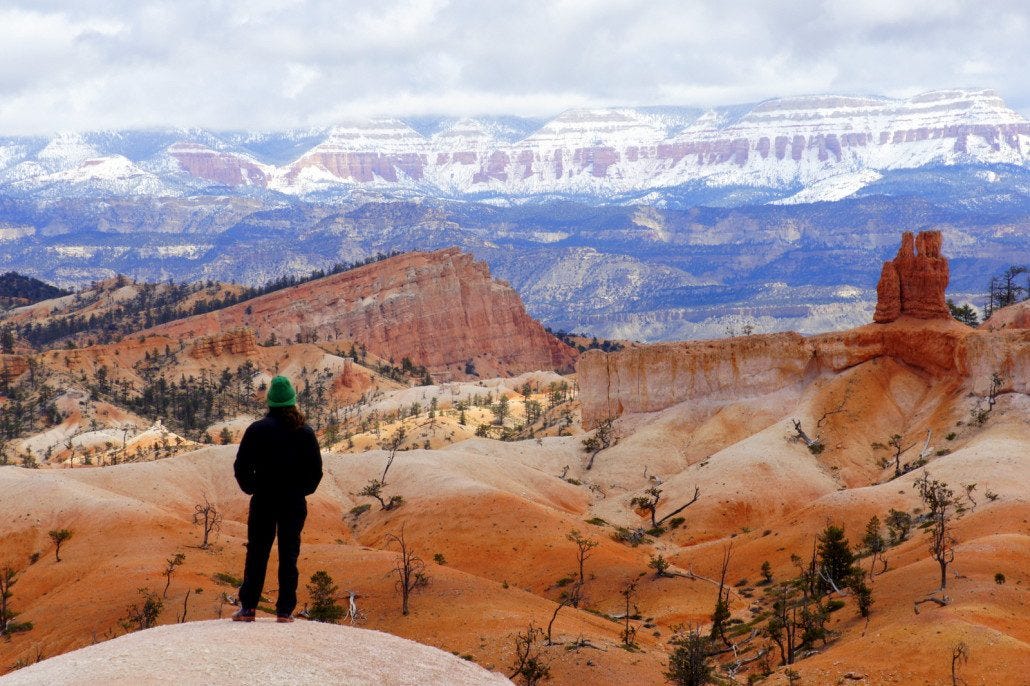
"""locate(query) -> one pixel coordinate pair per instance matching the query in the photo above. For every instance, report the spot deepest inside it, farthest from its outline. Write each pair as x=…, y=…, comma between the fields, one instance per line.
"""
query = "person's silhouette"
x=278, y=464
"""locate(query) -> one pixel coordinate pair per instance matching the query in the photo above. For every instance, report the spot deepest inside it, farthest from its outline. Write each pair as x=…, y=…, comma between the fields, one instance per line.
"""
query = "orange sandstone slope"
x=441, y=309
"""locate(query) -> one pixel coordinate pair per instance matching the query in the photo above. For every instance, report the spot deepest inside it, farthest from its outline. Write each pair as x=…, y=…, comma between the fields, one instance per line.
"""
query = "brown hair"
x=290, y=416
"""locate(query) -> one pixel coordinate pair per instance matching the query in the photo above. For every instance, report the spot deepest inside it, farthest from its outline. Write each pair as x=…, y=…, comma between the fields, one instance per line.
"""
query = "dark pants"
x=267, y=515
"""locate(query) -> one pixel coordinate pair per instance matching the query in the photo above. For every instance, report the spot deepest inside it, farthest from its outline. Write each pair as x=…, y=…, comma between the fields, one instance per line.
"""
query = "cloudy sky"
x=272, y=64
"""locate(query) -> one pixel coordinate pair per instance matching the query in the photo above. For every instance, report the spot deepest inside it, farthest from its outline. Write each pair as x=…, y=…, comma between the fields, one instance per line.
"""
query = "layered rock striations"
x=439, y=309
x=830, y=146
x=236, y=342
x=914, y=329
x=12, y=366
x=651, y=378
x=913, y=283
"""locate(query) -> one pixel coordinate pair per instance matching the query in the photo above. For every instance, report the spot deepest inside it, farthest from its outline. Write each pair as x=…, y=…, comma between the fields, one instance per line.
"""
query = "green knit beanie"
x=281, y=393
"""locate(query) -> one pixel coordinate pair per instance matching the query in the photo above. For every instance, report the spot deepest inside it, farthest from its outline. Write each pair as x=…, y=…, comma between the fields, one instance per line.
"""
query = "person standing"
x=278, y=465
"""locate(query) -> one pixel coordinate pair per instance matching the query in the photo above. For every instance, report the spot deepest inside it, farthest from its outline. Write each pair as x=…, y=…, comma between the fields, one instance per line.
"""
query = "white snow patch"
x=834, y=188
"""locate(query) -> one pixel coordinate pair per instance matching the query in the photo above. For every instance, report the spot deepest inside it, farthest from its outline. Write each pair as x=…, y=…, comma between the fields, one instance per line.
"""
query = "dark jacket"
x=274, y=460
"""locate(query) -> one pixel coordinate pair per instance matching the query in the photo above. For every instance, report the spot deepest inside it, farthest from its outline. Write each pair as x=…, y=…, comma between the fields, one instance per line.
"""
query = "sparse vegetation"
x=979, y=414
x=899, y=524
x=941, y=506
x=171, y=564
x=629, y=632
x=323, y=593
x=604, y=437
x=689, y=662
x=659, y=564
x=583, y=545
x=966, y=313
x=8, y=578
x=59, y=537
x=142, y=614
x=374, y=488
x=410, y=570
x=649, y=503
x=209, y=519
x=529, y=665
x=1010, y=287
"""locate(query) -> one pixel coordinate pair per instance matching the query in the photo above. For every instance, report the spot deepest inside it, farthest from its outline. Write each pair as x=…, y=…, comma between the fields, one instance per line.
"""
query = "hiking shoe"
x=243, y=615
x=283, y=619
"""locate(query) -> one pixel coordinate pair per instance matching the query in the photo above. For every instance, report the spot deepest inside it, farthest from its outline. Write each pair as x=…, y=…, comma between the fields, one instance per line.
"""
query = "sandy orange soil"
x=498, y=515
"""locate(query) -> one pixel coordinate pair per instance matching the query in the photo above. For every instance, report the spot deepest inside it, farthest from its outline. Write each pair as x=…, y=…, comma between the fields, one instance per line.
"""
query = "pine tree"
x=835, y=557
x=324, y=607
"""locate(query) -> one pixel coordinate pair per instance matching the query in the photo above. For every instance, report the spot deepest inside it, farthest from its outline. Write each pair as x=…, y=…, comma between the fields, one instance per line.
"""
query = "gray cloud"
x=294, y=63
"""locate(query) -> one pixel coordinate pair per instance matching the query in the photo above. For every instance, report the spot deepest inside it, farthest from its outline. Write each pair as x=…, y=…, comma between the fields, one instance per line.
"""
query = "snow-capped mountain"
x=787, y=150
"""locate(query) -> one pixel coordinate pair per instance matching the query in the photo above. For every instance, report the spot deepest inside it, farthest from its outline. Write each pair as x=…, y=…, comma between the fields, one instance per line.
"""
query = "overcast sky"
x=274, y=64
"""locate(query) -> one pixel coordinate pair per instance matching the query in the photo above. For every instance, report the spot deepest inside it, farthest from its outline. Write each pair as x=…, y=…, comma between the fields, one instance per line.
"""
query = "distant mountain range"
x=644, y=223
x=802, y=149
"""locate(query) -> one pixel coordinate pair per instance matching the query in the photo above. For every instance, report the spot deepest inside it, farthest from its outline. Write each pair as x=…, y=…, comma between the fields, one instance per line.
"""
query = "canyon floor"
x=498, y=514
x=675, y=466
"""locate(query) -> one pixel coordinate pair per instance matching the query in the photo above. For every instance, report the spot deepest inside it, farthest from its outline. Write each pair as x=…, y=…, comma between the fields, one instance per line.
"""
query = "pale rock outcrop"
x=222, y=653
x=1016, y=316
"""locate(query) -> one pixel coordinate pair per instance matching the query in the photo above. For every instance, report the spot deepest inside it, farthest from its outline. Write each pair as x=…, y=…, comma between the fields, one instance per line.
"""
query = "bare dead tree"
x=927, y=449
x=567, y=597
x=602, y=439
x=394, y=445
x=583, y=547
x=529, y=664
x=837, y=409
x=171, y=564
x=959, y=654
x=816, y=445
x=354, y=615
x=897, y=444
x=941, y=504
x=783, y=625
x=374, y=488
x=721, y=613
x=185, y=603
x=968, y=489
x=410, y=570
x=629, y=633
x=208, y=517
x=697, y=494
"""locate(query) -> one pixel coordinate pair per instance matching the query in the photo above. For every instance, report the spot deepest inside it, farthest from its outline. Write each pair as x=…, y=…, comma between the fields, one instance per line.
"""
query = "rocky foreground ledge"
x=221, y=652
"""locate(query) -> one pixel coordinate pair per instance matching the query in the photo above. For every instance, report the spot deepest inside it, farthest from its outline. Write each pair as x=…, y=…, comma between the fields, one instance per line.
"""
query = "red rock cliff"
x=441, y=309
x=913, y=283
